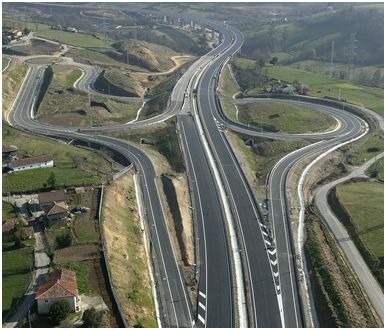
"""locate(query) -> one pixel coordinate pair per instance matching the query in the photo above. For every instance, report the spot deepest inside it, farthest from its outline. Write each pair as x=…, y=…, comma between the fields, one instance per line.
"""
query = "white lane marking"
x=275, y=274
x=201, y=319
x=274, y=263
x=272, y=252
x=264, y=233
x=202, y=295
x=266, y=242
x=278, y=287
x=202, y=306
x=264, y=226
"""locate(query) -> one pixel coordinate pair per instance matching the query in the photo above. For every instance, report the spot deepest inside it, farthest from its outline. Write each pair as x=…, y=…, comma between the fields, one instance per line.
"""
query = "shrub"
x=92, y=318
x=59, y=311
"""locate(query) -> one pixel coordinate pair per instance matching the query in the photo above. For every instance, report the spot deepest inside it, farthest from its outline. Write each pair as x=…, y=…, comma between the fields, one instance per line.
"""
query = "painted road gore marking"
x=272, y=252
x=269, y=243
x=202, y=295
x=274, y=263
x=201, y=319
x=201, y=305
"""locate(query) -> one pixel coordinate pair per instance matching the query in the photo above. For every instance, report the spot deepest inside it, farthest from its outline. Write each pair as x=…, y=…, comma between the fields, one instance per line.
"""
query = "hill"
x=143, y=54
x=309, y=37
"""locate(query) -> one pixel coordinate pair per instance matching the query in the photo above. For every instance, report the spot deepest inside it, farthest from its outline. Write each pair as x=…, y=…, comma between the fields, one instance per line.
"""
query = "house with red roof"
x=59, y=285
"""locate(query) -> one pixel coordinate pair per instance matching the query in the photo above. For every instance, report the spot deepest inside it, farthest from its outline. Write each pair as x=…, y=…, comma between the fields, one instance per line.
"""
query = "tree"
x=92, y=318
x=377, y=78
x=274, y=60
x=51, y=181
x=63, y=240
x=59, y=311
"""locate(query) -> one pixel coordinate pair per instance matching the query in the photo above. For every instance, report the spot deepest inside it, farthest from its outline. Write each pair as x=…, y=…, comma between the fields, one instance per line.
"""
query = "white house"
x=31, y=163
x=59, y=285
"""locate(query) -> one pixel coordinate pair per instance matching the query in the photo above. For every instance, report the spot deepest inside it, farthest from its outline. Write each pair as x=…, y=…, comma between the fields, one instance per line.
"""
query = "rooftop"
x=30, y=161
x=58, y=284
x=52, y=196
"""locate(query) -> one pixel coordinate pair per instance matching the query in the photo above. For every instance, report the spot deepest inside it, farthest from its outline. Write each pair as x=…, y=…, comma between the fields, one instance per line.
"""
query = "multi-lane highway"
x=268, y=262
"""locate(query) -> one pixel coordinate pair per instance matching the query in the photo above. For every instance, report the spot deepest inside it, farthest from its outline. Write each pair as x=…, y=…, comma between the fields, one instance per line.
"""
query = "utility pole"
x=350, y=53
x=332, y=59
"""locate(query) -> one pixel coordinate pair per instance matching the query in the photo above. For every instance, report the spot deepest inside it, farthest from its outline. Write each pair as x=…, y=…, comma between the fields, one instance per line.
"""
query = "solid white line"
x=202, y=305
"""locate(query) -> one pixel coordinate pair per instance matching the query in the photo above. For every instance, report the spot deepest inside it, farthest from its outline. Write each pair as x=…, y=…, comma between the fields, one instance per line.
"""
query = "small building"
x=31, y=163
x=16, y=33
x=59, y=210
x=50, y=197
x=59, y=285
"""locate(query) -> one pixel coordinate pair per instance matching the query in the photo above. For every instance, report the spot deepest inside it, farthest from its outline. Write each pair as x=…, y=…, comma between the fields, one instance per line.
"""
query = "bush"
x=59, y=311
x=63, y=240
x=92, y=318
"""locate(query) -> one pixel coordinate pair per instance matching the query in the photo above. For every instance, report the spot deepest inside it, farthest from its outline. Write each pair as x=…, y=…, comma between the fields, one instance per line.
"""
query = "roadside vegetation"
x=359, y=205
x=126, y=253
x=70, y=167
x=12, y=80
x=5, y=62
x=339, y=299
x=377, y=170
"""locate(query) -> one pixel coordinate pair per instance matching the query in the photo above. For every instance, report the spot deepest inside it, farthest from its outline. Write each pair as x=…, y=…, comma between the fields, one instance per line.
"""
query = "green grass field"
x=95, y=57
x=364, y=202
x=16, y=271
x=43, y=60
x=8, y=211
x=245, y=63
x=73, y=76
x=85, y=230
x=287, y=118
x=365, y=148
x=226, y=84
x=5, y=62
x=371, y=97
x=72, y=166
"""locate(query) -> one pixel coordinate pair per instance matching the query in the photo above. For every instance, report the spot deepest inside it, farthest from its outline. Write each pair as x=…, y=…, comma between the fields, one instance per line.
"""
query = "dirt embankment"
x=12, y=81
x=340, y=301
x=126, y=253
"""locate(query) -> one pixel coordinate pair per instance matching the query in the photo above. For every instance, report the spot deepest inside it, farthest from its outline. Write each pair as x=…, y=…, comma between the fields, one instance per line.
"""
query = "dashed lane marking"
x=202, y=305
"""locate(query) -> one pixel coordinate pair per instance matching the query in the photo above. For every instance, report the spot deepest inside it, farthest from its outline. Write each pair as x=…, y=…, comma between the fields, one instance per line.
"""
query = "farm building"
x=50, y=197
x=31, y=163
x=59, y=285
x=57, y=211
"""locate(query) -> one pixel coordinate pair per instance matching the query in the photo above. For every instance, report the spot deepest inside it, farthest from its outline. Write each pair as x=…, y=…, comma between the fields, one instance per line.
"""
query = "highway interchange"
x=266, y=295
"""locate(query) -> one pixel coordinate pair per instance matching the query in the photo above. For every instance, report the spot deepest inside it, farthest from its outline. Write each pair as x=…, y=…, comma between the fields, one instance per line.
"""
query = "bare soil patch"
x=76, y=253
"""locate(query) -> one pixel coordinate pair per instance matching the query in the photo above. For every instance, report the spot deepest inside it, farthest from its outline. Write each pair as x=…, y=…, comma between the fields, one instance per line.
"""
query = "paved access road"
x=369, y=283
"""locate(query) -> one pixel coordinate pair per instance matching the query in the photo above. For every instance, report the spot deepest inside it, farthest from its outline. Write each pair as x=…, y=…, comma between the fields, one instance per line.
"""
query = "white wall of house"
x=44, y=305
x=32, y=166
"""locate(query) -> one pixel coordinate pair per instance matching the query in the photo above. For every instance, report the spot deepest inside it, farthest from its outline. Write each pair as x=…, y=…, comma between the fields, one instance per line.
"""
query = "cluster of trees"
x=60, y=310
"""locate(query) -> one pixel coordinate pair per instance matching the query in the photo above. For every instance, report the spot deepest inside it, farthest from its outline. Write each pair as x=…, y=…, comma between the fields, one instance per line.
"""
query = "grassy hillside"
x=310, y=37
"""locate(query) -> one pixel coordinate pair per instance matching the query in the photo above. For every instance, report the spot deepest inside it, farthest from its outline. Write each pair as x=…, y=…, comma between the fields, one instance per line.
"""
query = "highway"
x=265, y=244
